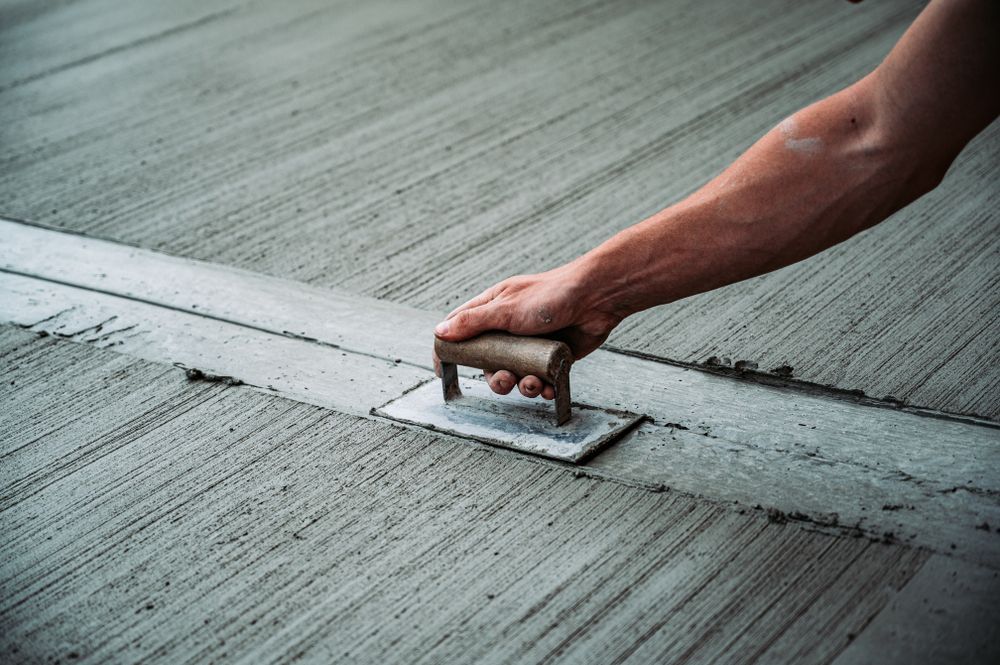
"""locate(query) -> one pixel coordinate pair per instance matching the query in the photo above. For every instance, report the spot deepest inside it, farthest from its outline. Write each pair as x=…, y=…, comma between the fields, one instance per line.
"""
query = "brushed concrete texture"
x=42, y=39
x=146, y=517
x=419, y=151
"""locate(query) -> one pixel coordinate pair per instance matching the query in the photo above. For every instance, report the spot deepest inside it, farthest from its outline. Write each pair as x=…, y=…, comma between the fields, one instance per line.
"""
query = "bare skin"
x=822, y=175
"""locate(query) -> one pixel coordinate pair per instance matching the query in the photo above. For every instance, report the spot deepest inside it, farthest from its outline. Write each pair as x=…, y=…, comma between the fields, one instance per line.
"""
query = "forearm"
x=819, y=177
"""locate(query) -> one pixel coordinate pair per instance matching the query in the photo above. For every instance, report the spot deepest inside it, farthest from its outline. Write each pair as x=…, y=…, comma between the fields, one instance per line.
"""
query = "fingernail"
x=442, y=328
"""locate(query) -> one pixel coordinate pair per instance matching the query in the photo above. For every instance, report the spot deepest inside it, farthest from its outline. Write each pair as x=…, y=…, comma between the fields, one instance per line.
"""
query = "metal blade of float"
x=469, y=408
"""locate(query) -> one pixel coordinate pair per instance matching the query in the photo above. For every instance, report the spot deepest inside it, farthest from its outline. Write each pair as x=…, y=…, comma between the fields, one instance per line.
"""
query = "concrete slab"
x=419, y=151
x=182, y=521
x=416, y=152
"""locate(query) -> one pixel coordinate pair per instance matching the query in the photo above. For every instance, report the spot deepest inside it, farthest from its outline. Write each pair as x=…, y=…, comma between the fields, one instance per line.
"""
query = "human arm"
x=822, y=175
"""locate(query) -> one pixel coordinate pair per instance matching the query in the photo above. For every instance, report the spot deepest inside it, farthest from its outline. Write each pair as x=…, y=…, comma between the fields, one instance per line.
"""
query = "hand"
x=555, y=304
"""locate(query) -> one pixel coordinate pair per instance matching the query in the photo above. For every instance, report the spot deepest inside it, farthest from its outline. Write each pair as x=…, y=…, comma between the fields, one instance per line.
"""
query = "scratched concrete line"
x=239, y=526
x=528, y=132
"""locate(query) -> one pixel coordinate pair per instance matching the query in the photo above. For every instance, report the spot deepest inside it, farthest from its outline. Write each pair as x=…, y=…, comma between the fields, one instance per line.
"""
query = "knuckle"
x=503, y=316
x=463, y=319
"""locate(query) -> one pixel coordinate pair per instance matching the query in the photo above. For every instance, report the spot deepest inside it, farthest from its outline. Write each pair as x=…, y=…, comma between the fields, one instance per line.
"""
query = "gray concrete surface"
x=146, y=517
x=947, y=613
x=416, y=152
x=420, y=151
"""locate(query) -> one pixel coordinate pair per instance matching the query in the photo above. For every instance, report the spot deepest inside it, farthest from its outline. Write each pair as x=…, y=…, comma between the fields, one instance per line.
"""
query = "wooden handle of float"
x=547, y=359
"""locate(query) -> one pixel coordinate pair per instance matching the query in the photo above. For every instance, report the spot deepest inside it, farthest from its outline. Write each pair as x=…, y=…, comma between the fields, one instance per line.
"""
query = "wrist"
x=652, y=263
x=603, y=285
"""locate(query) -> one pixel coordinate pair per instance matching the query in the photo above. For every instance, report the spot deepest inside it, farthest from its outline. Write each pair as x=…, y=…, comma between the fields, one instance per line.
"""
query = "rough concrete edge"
x=752, y=375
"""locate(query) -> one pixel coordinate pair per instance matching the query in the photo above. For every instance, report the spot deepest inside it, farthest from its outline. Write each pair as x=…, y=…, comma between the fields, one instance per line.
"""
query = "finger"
x=502, y=382
x=470, y=322
x=481, y=299
x=530, y=386
x=548, y=392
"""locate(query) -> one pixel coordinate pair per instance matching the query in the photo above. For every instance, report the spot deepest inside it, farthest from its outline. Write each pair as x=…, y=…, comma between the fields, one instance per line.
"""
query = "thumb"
x=470, y=322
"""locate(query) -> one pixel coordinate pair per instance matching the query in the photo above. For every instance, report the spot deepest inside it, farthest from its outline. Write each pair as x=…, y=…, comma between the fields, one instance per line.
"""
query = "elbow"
x=930, y=174
x=915, y=164
x=912, y=145
x=923, y=169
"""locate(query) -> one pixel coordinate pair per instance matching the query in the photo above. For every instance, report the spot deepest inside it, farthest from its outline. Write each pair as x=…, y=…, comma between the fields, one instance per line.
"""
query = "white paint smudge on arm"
x=806, y=145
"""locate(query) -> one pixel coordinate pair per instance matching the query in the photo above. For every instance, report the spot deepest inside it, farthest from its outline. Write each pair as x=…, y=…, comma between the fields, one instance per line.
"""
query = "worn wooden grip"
x=547, y=359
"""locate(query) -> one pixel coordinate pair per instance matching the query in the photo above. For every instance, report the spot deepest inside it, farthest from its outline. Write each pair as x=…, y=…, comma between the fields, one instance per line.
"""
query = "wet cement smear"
x=809, y=145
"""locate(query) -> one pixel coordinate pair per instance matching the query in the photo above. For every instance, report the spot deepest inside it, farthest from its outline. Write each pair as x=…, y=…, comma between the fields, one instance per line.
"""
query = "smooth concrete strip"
x=213, y=350
x=829, y=463
x=355, y=323
x=894, y=474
